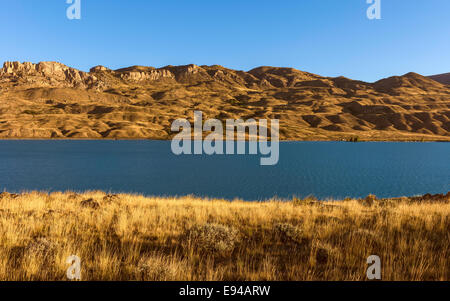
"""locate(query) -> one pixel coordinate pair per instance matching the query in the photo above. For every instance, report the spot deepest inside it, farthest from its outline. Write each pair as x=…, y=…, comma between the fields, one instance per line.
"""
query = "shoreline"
x=153, y=139
x=443, y=196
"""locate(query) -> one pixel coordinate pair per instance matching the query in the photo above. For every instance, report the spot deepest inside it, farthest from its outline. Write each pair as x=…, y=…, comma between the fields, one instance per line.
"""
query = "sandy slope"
x=51, y=100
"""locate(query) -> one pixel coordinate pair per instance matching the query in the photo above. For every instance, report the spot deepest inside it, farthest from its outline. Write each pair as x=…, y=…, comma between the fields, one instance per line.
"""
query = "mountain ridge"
x=443, y=78
x=51, y=100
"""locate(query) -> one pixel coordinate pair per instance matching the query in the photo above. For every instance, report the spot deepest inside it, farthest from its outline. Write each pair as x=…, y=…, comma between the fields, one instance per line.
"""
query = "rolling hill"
x=49, y=100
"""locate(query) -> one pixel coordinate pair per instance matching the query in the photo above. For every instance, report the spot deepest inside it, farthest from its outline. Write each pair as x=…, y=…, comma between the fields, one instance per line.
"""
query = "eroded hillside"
x=51, y=100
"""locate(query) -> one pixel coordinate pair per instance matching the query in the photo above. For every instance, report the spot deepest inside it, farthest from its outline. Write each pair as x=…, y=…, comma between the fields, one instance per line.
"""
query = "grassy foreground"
x=131, y=237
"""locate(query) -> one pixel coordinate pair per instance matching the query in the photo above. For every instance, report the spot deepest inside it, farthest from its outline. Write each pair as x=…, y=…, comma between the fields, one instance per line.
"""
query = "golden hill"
x=51, y=100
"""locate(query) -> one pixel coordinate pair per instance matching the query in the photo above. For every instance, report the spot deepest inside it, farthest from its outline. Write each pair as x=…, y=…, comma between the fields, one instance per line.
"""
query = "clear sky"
x=327, y=37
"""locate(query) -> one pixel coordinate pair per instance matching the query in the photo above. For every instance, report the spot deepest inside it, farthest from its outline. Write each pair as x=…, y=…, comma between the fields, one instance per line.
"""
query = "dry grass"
x=131, y=237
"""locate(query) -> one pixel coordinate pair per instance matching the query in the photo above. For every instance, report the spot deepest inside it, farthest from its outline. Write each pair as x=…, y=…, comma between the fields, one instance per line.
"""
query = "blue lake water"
x=323, y=169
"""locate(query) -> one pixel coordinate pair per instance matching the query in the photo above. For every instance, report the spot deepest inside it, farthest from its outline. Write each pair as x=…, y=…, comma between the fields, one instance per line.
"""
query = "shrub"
x=111, y=198
x=90, y=203
x=323, y=252
x=287, y=232
x=369, y=200
x=30, y=112
x=73, y=196
x=42, y=249
x=212, y=238
x=309, y=200
x=156, y=268
x=7, y=195
x=353, y=139
x=322, y=256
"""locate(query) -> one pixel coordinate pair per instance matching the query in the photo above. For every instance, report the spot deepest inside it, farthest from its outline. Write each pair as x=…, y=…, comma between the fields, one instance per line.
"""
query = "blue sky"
x=327, y=37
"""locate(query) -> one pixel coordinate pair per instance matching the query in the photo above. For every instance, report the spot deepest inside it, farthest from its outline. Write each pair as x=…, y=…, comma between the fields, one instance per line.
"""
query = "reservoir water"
x=324, y=169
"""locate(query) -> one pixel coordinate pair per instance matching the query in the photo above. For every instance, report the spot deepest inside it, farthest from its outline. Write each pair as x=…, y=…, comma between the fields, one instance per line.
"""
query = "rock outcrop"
x=47, y=74
x=150, y=75
x=99, y=68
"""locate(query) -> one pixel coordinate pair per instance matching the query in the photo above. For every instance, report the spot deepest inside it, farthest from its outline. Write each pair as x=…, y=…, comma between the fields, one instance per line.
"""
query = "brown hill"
x=441, y=78
x=51, y=100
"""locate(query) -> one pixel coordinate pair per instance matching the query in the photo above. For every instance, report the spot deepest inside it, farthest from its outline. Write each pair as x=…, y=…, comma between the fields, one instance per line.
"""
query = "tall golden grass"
x=132, y=237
